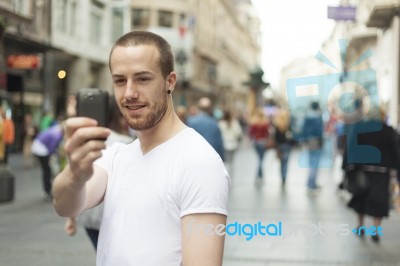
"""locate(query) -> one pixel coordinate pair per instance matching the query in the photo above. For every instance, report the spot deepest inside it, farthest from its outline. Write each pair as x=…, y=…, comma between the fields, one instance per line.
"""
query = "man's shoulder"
x=190, y=138
x=194, y=144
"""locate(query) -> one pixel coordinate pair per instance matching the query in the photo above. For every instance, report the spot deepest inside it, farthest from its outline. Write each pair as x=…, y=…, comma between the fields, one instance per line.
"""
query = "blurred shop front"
x=31, y=82
x=24, y=81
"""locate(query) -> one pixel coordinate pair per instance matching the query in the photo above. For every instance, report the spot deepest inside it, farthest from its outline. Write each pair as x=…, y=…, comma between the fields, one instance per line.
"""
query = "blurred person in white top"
x=232, y=134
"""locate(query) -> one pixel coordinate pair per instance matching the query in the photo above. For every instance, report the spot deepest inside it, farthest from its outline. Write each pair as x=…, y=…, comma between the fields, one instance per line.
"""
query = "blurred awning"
x=381, y=15
x=362, y=36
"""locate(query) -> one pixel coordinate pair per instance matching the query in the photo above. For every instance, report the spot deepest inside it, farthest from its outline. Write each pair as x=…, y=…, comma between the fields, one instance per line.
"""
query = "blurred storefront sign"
x=24, y=61
x=342, y=12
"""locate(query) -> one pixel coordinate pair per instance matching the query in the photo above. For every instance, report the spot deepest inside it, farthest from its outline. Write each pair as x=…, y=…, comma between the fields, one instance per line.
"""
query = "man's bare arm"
x=203, y=237
x=81, y=185
x=72, y=197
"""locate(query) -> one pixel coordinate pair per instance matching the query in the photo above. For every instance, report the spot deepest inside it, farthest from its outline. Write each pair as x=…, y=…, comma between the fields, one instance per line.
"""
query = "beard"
x=152, y=117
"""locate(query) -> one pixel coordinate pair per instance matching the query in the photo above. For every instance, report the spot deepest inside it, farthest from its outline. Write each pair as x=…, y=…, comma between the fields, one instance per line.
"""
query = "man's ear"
x=171, y=80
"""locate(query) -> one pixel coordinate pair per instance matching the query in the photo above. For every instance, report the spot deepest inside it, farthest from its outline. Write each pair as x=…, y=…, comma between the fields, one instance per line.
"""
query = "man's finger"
x=72, y=124
x=84, y=134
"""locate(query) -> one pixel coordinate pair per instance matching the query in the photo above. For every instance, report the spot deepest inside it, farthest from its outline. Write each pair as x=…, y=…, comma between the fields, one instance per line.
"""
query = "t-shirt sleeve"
x=204, y=187
x=107, y=157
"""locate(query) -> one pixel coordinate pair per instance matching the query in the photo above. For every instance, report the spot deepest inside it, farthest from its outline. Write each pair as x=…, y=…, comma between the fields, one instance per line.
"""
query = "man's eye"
x=143, y=79
x=119, y=81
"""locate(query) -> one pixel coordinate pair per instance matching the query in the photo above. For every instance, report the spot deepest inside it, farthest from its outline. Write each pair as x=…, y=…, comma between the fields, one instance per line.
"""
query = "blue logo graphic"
x=343, y=91
x=369, y=231
x=251, y=230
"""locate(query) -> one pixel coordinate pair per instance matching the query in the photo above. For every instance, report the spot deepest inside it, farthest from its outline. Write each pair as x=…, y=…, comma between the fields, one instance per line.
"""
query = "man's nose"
x=132, y=90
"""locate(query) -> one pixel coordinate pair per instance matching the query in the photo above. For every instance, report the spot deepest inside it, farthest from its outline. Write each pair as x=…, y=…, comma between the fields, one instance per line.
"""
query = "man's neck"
x=169, y=126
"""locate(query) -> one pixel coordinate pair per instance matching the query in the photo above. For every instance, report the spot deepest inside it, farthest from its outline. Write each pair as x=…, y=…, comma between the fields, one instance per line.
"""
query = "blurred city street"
x=281, y=71
x=31, y=233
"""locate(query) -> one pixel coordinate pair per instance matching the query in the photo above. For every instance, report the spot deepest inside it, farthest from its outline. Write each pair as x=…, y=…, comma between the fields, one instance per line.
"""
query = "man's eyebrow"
x=143, y=73
x=136, y=74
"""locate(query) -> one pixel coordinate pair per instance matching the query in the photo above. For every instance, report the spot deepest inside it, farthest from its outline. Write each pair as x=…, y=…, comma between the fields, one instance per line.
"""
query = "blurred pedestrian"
x=206, y=125
x=193, y=110
x=46, y=121
x=71, y=106
x=369, y=180
x=312, y=135
x=283, y=139
x=232, y=134
x=156, y=188
x=259, y=133
x=91, y=218
x=8, y=133
x=43, y=147
x=29, y=133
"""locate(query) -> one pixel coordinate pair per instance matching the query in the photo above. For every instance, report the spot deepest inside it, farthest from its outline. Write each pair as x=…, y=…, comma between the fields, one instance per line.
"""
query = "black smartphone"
x=93, y=103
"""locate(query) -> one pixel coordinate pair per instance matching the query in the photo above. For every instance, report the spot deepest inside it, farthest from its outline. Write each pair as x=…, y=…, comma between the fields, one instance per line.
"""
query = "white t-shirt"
x=148, y=195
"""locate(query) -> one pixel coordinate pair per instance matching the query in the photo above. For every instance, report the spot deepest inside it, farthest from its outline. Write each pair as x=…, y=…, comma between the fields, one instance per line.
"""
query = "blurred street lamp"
x=256, y=85
x=61, y=74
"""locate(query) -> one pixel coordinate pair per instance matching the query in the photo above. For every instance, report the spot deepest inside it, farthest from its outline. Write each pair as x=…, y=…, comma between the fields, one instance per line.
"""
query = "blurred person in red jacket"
x=258, y=133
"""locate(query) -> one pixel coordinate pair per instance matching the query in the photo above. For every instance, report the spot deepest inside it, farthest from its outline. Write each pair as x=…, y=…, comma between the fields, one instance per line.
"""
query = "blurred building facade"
x=373, y=43
x=370, y=41
x=52, y=48
x=216, y=43
x=24, y=42
x=384, y=15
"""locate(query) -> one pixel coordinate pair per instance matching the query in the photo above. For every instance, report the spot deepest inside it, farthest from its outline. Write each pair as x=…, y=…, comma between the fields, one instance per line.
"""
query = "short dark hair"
x=315, y=106
x=135, y=38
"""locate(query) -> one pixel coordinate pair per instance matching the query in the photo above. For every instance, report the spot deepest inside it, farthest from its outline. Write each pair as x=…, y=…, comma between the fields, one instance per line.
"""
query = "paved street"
x=295, y=206
x=32, y=234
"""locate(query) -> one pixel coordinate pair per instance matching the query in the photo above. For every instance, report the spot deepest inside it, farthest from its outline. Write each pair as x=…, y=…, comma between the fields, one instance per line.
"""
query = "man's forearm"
x=69, y=194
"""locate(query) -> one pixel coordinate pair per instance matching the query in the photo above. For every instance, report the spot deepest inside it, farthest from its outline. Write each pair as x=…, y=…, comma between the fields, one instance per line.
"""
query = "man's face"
x=139, y=87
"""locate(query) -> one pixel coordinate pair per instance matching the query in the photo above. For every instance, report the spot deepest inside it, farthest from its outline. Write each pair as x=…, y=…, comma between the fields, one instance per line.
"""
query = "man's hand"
x=83, y=145
x=72, y=190
x=70, y=226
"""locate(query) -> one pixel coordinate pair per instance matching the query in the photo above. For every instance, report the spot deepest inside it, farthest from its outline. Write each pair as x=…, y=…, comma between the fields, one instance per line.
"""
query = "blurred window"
x=66, y=16
x=73, y=21
x=96, y=13
x=95, y=23
x=21, y=7
x=117, y=23
x=94, y=77
x=62, y=18
x=165, y=19
x=140, y=17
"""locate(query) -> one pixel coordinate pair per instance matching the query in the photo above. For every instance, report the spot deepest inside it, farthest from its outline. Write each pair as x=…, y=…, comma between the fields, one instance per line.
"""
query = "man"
x=156, y=189
x=205, y=125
